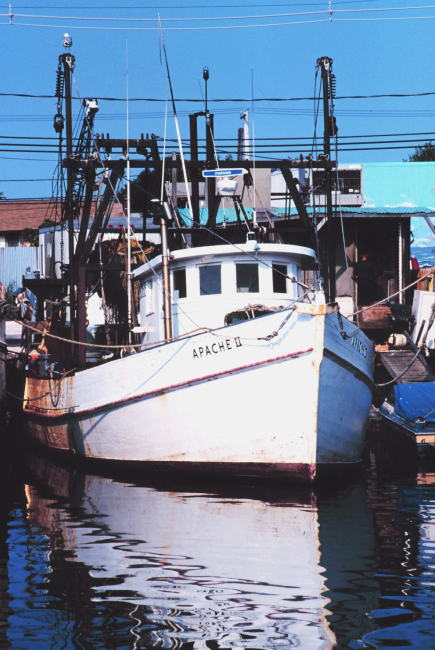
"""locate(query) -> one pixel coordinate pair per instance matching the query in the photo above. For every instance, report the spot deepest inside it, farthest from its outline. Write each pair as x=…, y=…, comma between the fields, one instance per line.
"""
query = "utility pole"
x=325, y=64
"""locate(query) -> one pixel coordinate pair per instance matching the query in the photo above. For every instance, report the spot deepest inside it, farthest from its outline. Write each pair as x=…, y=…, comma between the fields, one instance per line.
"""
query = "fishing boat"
x=282, y=392
x=240, y=366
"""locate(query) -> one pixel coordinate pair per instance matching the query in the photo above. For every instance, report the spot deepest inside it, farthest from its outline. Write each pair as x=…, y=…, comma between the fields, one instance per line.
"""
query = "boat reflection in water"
x=194, y=567
x=89, y=561
x=230, y=569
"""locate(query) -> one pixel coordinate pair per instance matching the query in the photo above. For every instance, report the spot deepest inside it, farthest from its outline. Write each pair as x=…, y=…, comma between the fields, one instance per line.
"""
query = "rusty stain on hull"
x=49, y=397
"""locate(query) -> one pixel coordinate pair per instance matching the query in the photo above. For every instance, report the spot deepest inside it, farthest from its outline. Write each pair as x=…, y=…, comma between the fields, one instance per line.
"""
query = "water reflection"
x=404, y=521
x=88, y=561
x=185, y=567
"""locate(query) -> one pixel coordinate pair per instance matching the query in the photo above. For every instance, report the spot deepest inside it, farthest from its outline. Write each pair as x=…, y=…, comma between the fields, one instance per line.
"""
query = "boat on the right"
x=410, y=410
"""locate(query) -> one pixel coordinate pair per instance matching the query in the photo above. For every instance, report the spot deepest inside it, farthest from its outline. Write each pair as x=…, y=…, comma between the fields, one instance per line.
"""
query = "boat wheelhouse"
x=214, y=286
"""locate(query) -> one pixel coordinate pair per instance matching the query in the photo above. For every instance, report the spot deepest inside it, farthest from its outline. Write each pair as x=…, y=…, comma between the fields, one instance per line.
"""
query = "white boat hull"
x=226, y=399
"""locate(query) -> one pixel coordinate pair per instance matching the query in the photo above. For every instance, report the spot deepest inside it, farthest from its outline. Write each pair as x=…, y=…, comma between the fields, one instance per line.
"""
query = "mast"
x=325, y=64
x=68, y=62
x=128, y=221
x=167, y=309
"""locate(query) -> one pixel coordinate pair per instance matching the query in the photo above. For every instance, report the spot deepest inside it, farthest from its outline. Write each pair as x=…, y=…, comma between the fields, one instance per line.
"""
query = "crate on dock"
x=377, y=317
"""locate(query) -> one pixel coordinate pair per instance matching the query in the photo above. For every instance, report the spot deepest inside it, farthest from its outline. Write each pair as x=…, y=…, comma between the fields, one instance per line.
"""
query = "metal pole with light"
x=205, y=76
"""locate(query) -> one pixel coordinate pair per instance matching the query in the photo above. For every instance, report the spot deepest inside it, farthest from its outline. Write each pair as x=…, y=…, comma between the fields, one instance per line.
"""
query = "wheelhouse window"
x=180, y=282
x=279, y=272
x=247, y=278
x=210, y=279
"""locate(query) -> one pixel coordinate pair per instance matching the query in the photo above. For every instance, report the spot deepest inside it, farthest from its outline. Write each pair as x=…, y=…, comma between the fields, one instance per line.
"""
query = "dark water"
x=87, y=561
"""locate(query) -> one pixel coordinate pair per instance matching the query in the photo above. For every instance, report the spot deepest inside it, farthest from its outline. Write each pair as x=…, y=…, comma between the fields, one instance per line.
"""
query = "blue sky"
x=371, y=56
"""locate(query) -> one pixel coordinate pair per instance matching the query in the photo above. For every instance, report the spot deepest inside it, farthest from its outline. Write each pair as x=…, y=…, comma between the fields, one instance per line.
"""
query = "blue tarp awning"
x=415, y=401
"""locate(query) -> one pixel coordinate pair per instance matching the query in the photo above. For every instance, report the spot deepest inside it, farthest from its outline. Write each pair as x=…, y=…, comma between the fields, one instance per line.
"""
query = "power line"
x=327, y=19
x=215, y=6
x=107, y=117
x=24, y=180
x=230, y=100
x=304, y=149
x=280, y=141
x=155, y=20
x=327, y=12
x=50, y=160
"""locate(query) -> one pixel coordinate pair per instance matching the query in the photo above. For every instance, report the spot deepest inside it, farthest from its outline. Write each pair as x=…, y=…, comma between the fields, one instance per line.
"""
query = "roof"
x=18, y=215
x=31, y=213
x=354, y=211
x=299, y=254
x=229, y=215
x=224, y=215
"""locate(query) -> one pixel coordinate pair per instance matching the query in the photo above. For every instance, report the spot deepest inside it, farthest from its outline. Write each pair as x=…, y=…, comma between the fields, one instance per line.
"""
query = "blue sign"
x=223, y=172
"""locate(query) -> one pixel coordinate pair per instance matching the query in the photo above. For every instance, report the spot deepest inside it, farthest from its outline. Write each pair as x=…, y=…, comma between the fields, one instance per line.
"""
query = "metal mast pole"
x=167, y=309
x=194, y=175
x=325, y=64
x=210, y=183
x=128, y=218
x=68, y=61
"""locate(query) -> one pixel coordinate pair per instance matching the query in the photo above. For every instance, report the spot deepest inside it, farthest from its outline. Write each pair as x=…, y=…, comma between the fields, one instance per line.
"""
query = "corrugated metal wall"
x=14, y=261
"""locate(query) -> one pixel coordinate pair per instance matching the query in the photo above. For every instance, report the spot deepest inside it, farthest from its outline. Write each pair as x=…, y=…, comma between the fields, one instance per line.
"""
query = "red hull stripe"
x=121, y=402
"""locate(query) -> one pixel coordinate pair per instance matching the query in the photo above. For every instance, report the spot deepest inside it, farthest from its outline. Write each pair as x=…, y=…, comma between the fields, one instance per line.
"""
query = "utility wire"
x=327, y=19
x=124, y=7
x=265, y=139
x=218, y=18
x=229, y=100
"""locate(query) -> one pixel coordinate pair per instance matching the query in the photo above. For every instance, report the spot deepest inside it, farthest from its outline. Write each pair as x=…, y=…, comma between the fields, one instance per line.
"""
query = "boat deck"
x=396, y=361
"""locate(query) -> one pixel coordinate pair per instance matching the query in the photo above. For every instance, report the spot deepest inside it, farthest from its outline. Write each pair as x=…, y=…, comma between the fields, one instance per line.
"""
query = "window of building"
x=247, y=278
x=210, y=279
x=12, y=239
x=180, y=282
x=279, y=272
